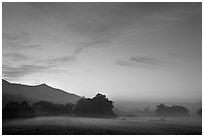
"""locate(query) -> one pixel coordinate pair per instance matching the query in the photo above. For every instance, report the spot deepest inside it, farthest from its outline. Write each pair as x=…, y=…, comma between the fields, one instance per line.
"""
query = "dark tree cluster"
x=163, y=110
x=98, y=106
x=44, y=108
x=41, y=108
x=18, y=110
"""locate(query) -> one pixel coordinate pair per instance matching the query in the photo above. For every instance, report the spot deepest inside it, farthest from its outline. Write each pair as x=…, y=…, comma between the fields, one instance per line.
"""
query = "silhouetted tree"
x=98, y=106
x=18, y=110
x=163, y=110
x=44, y=108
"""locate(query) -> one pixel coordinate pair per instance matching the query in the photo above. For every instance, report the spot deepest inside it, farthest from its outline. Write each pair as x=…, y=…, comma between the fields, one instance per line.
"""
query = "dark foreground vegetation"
x=98, y=126
x=59, y=130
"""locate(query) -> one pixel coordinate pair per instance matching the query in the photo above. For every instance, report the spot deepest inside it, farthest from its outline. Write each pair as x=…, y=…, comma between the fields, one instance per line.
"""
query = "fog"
x=134, y=105
x=105, y=123
x=137, y=125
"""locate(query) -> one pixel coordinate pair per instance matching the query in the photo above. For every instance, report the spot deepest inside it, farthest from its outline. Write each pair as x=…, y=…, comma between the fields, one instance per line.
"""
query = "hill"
x=18, y=92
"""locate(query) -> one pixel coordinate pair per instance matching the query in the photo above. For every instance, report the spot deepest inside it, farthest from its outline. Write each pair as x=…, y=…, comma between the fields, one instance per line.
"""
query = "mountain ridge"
x=39, y=92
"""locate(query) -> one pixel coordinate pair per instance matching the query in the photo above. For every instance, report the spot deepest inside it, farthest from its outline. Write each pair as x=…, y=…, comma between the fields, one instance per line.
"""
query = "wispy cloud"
x=21, y=36
x=18, y=71
x=146, y=60
x=35, y=66
x=55, y=62
x=98, y=22
x=15, y=56
x=141, y=62
x=20, y=46
x=18, y=41
x=96, y=44
x=124, y=63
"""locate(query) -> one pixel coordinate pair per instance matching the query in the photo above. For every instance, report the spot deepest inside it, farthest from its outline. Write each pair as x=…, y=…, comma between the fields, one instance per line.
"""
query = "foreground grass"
x=89, y=126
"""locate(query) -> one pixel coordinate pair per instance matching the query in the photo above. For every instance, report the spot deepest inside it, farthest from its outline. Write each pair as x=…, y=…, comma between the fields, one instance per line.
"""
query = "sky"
x=127, y=51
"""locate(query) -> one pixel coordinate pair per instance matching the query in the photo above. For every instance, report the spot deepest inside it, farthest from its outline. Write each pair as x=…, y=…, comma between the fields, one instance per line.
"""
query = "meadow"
x=99, y=126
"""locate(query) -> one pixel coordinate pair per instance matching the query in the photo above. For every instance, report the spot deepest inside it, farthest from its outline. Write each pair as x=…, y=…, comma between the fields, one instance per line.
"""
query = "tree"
x=44, y=108
x=163, y=110
x=18, y=110
x=98, y=106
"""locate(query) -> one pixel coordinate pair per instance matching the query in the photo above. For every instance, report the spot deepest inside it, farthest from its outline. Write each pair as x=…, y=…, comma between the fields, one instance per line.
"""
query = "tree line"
x=163, y=110
x=98, y=106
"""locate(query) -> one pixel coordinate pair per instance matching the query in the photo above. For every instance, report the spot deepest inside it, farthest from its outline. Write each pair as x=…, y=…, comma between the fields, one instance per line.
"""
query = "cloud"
x=141, y=62
x=96, y=44
x=35, y=66
x=18, y=41
x=124, y=63
x=21, y=36
x=20, y=46
x=99, y=22
x=18, y=71
x=59, y=60
x=112, y=21
x=15, y=56
x=146, y=60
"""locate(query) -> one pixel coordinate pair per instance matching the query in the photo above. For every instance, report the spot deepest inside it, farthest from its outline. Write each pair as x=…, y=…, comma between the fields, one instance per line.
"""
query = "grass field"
x=97, y=126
